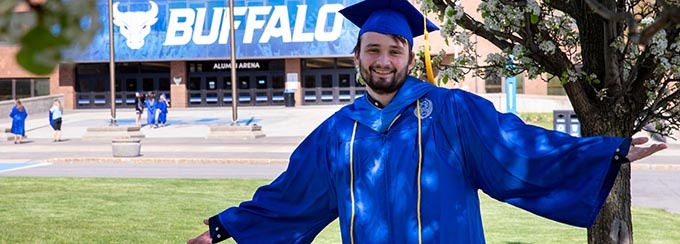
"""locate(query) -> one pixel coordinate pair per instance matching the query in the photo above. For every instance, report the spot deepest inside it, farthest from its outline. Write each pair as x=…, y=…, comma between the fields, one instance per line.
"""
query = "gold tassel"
x=428, y=61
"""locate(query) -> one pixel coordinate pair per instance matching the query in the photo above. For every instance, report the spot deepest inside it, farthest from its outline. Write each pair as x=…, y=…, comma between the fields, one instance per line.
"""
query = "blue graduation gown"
x=466, y=146
x=150, y=111
x=18, y=121
x=162, y=111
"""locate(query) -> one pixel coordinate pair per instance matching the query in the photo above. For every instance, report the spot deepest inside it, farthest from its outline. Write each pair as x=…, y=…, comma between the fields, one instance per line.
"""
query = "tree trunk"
x=605, y=116
x=613, y=224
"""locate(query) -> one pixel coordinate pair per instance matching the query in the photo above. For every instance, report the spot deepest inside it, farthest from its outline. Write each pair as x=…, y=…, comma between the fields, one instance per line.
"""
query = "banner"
x=165, y=30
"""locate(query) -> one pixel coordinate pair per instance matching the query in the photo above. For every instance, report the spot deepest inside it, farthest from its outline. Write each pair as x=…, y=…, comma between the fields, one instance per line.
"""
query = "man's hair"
x=399, y=39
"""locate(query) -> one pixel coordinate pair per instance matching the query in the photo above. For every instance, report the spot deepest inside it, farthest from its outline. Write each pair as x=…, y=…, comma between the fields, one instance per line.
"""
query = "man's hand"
x=202, y=238
x=637, y=153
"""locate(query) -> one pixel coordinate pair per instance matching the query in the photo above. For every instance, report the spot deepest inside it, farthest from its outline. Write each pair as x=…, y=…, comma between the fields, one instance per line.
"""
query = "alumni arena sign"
x=199, y=29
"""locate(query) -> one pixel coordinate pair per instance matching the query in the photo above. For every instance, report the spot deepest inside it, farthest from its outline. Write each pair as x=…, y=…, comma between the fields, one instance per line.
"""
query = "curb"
x=165, y=160
x=633, y=166
x=664, y=167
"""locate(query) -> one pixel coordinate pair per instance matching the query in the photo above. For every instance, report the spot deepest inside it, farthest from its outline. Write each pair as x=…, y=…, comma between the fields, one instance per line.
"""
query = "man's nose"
x=383, y=59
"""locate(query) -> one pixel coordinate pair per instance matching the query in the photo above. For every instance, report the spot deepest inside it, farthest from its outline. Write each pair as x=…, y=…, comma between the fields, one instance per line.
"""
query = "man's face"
x=383, y=62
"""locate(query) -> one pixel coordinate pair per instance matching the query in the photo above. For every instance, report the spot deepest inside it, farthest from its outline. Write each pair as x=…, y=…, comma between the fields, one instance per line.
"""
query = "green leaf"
x=40, y=50
x=534, y=19
x=26, y=58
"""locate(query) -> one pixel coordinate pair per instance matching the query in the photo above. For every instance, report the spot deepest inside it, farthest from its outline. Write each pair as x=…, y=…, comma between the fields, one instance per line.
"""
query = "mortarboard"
x=395, y=17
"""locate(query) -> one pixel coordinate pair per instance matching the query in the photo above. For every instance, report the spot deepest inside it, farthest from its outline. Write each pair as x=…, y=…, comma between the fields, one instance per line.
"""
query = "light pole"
x=234, y=94
x=234, y=130
x=112, y=66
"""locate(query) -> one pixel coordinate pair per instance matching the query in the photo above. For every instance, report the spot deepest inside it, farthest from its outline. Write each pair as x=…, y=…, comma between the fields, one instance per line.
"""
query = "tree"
x=618, y=60
x=45, y=28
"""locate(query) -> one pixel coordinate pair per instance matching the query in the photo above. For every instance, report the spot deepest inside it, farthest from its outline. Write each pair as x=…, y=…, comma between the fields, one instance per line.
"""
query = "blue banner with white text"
x=164, y=30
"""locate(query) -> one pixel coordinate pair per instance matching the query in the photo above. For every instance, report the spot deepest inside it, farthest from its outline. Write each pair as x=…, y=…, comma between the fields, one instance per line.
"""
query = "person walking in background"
x=18, y=115
x=56, y=113
x=162, y=110
x=151, y=105
x=405, y=162
x=139, y=108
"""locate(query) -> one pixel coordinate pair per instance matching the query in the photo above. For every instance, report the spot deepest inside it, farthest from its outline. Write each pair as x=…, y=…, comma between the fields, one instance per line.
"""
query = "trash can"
x=566, y=121
x=560, y=121
x=289, y=98
x=574, y=125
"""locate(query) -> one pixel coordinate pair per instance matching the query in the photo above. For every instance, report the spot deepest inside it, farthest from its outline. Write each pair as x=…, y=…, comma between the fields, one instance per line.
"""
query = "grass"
x=104, y=210
x=544, y=120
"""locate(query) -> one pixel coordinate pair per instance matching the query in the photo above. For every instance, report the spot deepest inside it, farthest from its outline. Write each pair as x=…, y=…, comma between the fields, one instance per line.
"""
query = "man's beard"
x=380, y=85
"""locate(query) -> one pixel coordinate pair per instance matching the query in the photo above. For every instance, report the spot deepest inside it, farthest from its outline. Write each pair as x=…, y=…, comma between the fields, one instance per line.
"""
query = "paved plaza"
x=182, y=149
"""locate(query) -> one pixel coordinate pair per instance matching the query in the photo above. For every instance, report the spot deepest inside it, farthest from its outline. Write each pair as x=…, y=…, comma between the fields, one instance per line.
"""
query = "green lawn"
x=103, y=210
x=544, y=120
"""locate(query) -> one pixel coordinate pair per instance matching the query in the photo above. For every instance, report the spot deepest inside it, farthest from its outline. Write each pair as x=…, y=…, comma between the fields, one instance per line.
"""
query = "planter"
x=126, y=147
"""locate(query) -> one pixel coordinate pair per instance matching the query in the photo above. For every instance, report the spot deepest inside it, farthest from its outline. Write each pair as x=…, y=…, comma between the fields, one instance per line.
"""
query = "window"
x=492, y=82
x=520, y=84
x=6, y=90
x=319, y=63
x=309, y=82
x=555, y=87
x=41, y=87
x=278, y=82
x=24, y=87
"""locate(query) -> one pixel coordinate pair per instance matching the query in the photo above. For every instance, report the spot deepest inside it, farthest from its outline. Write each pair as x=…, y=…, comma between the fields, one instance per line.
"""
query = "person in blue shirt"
x=404, y=163
x=18, y=115
x=56, y=114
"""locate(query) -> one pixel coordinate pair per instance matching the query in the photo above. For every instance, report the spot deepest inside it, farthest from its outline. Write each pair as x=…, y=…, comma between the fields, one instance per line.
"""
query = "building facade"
x=182, y=48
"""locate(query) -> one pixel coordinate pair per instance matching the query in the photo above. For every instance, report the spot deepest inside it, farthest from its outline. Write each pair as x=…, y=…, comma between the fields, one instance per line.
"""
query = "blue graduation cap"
x=395, y=17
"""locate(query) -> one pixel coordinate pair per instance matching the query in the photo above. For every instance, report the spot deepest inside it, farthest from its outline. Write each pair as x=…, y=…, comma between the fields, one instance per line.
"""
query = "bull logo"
x=135, y=25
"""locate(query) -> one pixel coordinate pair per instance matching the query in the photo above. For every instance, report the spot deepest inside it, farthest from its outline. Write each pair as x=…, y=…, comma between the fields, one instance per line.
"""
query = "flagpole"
x=234, y=94
x=112, y=66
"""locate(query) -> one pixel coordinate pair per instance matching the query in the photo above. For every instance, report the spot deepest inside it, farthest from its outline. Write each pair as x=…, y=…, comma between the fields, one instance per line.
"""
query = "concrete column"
x=294, y=65
x=178, y=87
x=63, y=81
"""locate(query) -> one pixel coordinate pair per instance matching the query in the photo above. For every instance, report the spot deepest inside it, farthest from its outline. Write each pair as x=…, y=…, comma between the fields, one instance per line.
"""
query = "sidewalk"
x=184, y=139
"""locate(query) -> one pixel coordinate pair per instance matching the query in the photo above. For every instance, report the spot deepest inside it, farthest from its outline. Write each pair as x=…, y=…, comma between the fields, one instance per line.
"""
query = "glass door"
x=212, y=90
x=195, y=91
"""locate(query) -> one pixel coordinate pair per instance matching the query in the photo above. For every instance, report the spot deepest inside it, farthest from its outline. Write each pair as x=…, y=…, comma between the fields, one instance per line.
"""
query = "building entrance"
x=93, y=87
x=258, y=83
x=330, y=81
x=255, y=88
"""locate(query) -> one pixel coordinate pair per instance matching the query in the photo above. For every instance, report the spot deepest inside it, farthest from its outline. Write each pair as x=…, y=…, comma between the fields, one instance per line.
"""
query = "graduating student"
x=404, y=163
x=162, y=110
x=150, y=105
x=18, y=115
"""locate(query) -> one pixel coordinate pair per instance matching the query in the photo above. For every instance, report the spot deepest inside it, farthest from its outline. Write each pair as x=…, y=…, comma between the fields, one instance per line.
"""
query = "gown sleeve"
x=294, y=208
x=548, y=173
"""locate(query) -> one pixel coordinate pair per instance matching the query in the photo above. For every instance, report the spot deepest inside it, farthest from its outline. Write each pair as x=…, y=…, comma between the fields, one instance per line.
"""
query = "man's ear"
x=356, y=59
x=412, y=61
